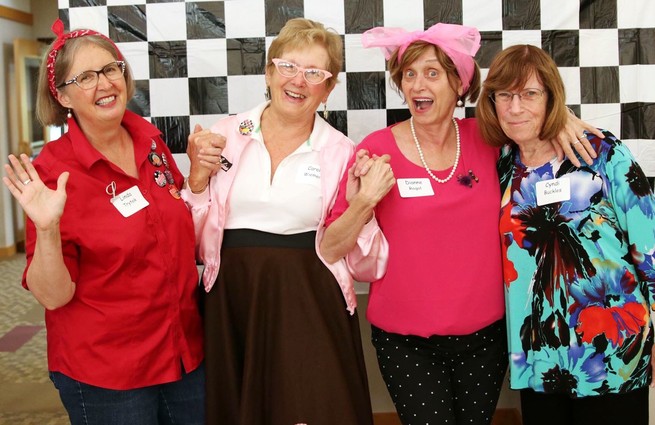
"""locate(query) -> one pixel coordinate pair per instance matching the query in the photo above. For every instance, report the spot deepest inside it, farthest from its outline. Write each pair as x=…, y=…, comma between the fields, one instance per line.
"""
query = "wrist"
x=363, y=206
x=197, y=187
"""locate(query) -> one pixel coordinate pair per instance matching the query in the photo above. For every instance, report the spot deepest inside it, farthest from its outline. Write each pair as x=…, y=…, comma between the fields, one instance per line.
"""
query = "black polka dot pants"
x=451, y=380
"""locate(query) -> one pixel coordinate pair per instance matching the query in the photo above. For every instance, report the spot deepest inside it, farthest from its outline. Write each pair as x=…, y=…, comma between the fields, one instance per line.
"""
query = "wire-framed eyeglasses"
x=290, y=70
x=89, y=79
x=525, y=95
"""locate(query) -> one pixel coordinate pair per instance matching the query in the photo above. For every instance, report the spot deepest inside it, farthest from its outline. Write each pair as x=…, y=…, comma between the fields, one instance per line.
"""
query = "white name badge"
x=412, y=188
x=555, y=190
x=310, y=174
x=130, y=201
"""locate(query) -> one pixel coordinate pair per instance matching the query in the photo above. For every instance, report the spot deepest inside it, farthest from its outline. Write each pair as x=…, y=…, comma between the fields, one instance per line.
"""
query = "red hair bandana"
x=58, y=30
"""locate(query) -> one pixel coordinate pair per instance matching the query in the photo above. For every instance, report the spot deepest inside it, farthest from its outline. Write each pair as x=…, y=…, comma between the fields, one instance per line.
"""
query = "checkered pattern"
x=197, y=61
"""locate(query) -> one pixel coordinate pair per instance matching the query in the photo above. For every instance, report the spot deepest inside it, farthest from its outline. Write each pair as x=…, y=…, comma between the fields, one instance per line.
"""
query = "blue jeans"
x=181, y=402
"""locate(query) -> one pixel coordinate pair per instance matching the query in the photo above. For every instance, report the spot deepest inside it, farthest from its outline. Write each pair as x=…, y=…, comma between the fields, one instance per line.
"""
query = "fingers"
x=362, y=163
x=385, y=158
x=20, y=173
x=559, y=151
x=593, y=130
x=574, y=137
x=62, y=180
x=205, y=149
x=584, y=149
x=11, y=186
x=380, y=179
x=568, y=151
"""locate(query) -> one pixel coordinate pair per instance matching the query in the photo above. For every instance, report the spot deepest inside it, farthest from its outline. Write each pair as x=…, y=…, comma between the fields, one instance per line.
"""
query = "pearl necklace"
x=420, y=152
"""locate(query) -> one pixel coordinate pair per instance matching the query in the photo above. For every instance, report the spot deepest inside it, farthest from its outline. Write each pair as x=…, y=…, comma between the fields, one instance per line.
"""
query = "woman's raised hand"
x=378, y=180
x=204, y=151
x=42, y=205
x=369, y=176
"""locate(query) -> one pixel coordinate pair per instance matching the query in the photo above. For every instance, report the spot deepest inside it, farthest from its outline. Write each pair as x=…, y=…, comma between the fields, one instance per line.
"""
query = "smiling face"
x=294, y=97
x=102, y=104
x=523, y=120
x=427, y=89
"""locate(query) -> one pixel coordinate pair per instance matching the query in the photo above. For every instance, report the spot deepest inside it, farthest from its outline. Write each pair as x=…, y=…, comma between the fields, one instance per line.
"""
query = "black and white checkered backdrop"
x=197, y=61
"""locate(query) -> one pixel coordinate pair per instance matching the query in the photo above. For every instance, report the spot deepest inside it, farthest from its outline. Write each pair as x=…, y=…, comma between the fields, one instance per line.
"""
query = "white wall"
x=9, y=30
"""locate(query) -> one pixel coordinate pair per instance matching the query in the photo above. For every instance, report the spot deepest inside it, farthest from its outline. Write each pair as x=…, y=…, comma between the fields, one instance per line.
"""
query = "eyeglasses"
x=89, y=79
x=290, y=69
x=525, y=95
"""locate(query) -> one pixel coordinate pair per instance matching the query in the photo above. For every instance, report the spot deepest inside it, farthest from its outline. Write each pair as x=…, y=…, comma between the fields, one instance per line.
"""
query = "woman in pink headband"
x=437, y=315
x=110, y=246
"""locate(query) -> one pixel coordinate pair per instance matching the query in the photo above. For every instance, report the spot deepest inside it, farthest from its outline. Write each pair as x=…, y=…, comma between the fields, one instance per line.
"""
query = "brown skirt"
x=281, y=349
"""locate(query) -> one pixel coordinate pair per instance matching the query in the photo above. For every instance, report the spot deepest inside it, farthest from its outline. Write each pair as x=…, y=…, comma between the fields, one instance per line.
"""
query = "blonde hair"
x=48, y=109
x=301, y=32
x=510, y=70
x=414, y=51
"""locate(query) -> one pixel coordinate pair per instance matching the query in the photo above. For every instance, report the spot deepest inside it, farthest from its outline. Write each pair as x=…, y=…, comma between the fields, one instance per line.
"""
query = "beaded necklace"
x=420, y=152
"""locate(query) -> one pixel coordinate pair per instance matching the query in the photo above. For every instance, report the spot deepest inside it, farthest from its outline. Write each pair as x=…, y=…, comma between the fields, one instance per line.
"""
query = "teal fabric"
x=579, y=274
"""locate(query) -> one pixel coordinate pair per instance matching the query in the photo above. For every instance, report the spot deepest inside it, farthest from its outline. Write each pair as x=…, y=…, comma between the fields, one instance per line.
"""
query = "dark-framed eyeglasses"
x=526, y=95
x=290, y=70
x=89, y=79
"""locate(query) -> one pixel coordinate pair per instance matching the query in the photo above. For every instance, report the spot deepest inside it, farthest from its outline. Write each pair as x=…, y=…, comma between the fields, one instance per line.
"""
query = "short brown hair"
x=301, y=32
x=510, y=70
x=48, y=109
x=414, y=51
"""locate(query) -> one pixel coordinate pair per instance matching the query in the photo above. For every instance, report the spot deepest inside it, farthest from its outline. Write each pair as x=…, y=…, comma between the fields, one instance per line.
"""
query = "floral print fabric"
x=579, y=273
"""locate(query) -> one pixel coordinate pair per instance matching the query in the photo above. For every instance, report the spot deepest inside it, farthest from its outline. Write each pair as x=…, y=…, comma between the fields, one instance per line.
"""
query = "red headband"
x=58, y=30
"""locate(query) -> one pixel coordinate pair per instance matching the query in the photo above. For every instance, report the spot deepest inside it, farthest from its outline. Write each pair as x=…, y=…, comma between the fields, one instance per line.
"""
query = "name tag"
x=309, y=174
x=555, y=190
x=130, y=201
x=412, y=188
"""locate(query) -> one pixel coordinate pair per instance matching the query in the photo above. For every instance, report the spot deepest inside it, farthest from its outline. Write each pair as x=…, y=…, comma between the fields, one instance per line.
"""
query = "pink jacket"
x=209, y=209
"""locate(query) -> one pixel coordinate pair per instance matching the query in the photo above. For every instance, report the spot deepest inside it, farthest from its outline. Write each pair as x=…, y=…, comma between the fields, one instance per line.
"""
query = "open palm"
x=42, y=205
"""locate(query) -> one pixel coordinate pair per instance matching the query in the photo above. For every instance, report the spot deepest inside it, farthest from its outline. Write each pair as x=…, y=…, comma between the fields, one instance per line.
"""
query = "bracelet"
x=196, y=192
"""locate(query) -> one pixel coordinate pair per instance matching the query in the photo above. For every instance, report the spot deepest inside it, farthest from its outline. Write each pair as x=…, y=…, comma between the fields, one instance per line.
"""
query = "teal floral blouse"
x=579, y=272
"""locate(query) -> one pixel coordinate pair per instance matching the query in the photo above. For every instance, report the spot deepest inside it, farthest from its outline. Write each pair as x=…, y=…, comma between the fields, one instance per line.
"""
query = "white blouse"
x=289, y=204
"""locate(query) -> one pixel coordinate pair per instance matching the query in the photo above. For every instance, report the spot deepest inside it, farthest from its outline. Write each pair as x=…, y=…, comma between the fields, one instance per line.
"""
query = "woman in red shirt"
x=110, y=246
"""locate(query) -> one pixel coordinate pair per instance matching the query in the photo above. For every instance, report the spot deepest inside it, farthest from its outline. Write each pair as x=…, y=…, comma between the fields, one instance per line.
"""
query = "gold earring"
x=326, y=113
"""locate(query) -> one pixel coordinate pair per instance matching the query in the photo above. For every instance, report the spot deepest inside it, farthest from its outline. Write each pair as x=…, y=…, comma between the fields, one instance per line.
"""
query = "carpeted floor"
x=27, y=397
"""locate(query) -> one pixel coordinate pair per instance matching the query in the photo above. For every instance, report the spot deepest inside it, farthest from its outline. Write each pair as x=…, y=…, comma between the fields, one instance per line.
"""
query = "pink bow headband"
x=459, y=42
x=58, y=30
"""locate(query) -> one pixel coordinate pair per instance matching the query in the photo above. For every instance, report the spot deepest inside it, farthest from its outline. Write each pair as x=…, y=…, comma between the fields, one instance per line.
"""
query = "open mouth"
x=422, y=104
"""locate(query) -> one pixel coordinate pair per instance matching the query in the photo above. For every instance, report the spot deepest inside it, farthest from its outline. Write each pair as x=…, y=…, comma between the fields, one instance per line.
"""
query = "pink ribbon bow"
x=459, y=42
x=58, y=29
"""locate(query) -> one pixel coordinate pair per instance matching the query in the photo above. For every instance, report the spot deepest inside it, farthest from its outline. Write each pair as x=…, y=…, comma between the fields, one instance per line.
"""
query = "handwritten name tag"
x=309, y=174
x=551, y=191
x=412, y=188
x=130, y=201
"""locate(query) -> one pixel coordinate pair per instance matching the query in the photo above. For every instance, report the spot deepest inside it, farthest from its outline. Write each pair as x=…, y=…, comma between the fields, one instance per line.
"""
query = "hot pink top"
x=444, y=272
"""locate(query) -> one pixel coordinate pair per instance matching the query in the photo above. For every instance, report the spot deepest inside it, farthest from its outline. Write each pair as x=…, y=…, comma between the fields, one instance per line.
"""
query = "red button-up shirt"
x=133, y=320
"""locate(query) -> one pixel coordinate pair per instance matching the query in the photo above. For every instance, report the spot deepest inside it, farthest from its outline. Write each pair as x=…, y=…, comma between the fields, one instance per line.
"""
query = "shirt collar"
x=142, y=133
x=316, y=139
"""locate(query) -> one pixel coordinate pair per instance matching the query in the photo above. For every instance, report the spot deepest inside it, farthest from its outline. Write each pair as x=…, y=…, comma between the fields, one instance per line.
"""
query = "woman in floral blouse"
x=578, y=247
